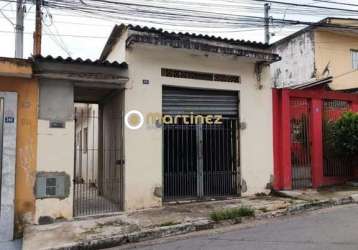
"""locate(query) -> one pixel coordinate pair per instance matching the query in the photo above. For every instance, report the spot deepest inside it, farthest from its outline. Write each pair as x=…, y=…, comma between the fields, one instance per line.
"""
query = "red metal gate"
x=300, y=143
x=301, y=156
x=334, y=165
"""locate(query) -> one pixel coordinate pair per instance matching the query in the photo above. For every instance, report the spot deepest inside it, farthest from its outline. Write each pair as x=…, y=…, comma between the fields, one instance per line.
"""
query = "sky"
x=67, y=33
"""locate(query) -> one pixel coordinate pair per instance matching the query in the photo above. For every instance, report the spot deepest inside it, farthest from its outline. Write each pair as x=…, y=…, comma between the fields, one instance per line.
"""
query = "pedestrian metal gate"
x=300, y=143
x=201, y=160
x=98, y=184
x=334, y=165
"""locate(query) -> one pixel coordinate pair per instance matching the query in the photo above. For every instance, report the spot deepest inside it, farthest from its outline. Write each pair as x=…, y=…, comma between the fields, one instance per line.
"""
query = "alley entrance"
x=98, y=183
x=201, y=160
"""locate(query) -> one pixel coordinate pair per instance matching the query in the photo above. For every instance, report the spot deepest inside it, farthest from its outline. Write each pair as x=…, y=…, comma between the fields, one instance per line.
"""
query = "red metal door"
x=300, y=143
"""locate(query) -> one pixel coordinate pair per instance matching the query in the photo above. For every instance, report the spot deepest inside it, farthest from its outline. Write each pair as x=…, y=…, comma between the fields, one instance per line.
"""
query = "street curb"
x=315, y=205
x=149, y=234
x=199, y=225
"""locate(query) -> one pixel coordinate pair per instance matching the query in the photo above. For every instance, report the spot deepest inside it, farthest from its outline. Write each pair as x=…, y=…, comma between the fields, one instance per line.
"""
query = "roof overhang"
x=331, y=24
x=92, y=81
x=210, y=44
x=12, y=67
x=327, y=83
x=324, y=82
x=182, y=42
x=81, y=72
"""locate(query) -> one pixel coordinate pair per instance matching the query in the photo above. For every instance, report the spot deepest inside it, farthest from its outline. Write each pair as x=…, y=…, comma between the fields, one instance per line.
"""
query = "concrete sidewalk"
x=102, y=232
x=324, y=193
x=11, y=245
x=313, y=231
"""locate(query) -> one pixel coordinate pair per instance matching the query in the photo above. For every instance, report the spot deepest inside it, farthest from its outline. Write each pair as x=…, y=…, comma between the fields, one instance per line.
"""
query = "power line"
x=212, y=17
x=64, y=35
x=308, y=5
x=338, y=3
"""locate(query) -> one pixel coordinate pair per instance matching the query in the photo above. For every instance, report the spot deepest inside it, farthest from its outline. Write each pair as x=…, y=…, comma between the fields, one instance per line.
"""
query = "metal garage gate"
x=201, y=160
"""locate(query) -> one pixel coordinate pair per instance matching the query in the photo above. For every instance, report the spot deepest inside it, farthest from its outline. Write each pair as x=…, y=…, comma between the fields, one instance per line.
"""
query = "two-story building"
x=314, y=84
x=328, y=48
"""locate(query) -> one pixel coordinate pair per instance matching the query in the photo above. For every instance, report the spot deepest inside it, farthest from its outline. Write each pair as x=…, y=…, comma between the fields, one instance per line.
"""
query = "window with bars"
x=354, y=54
x=200, y=75
x=51, y=186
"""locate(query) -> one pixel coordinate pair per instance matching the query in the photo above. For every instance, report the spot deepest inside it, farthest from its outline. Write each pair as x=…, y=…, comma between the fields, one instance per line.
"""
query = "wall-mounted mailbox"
x=57, y=124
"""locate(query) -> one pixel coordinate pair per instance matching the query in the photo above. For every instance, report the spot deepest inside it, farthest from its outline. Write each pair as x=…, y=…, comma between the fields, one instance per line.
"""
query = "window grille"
x=200, y=75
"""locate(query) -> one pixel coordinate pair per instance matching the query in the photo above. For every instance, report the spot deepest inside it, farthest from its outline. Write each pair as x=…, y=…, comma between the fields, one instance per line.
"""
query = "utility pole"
x=19, y=29
x=267, y=23
x=38, y=30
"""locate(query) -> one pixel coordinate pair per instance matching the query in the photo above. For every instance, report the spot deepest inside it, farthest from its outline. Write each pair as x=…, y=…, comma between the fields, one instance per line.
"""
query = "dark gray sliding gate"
x=201, y=160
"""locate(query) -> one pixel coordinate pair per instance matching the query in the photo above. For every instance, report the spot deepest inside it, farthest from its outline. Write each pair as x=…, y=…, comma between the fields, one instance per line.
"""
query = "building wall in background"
x=26, y=142
x=298, y=60
x=334, y=58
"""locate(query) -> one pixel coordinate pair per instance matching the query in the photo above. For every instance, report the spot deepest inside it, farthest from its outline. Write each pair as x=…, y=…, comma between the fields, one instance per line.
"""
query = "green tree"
x=344, y=134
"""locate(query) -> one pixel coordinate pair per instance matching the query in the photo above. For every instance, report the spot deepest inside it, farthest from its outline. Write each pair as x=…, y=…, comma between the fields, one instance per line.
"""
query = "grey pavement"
x=11, y=245
x=329, y=229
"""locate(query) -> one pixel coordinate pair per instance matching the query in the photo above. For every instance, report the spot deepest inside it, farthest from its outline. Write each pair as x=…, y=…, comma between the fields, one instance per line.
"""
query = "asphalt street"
x=329, y=229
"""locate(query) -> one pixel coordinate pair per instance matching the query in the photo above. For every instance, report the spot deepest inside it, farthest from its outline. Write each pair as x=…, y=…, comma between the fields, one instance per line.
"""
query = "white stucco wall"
x=298, y=61
x=143, y=147
x=118, y=52
x=55, y=155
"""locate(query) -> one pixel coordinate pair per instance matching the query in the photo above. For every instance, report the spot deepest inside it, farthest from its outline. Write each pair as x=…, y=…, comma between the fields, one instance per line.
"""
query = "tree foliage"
x=342, y=135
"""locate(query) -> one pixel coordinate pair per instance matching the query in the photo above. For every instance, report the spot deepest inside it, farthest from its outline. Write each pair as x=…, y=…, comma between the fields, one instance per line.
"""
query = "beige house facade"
x=160, y=61
x=160, y=117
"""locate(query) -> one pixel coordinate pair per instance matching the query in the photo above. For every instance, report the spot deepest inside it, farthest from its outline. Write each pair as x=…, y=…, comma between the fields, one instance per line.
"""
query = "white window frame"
x=354, y=58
